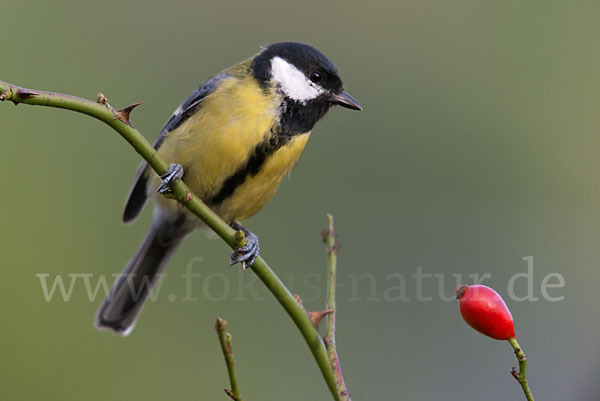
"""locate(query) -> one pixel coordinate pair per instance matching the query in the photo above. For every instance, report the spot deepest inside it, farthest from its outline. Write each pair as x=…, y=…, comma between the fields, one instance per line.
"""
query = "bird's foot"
x=174, y=173
x=247, y=254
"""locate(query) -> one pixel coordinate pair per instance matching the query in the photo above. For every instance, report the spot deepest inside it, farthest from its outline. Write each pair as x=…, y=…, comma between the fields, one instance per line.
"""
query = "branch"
x=521, y=375
x=330, y=238
x=225, y=340
x=119, y=121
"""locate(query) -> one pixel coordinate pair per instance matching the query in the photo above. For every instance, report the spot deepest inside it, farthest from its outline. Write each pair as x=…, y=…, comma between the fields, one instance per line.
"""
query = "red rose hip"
x=485, y=311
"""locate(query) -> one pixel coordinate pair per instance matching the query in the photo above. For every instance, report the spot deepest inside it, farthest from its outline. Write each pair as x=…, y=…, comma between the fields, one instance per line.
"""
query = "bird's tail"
x=121, y=308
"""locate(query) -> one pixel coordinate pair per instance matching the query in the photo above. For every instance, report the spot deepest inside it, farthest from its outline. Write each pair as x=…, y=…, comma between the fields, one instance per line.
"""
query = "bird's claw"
x=247, y=254
x=174, y=173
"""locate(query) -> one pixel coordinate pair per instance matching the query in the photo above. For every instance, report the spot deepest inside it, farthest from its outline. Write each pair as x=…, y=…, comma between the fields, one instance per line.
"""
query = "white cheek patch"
x=293, y=82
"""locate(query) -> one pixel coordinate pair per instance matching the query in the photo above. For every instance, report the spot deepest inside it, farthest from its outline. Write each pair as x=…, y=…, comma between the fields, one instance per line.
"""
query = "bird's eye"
x=315, y=76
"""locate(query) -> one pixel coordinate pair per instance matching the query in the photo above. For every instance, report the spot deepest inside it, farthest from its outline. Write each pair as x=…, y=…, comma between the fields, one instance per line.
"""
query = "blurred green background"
x=478, y=147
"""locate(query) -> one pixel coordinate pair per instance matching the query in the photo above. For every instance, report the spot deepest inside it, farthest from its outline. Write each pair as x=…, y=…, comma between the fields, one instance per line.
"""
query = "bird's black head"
x=307, y=79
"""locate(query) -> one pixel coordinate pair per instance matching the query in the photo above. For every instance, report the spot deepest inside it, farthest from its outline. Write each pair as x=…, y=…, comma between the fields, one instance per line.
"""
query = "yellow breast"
x=256, y=191
x=218, y=140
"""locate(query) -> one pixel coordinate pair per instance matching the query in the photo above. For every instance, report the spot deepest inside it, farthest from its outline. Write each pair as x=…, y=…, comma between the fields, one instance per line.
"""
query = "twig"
x=225, y=340
x=102, y=111
x=332, y=247
x=521, y=375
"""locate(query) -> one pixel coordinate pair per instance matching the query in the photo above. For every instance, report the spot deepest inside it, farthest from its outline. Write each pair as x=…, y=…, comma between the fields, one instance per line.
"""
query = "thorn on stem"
x=188, y=197
x=124, y=113
x=316, y=317
x=298, y=299
x=17, y=95
x=23, y=94
x=230, y=394
x=515, y=374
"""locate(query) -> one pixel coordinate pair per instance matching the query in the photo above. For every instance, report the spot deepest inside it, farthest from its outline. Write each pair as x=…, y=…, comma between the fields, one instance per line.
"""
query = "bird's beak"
x=345, y=100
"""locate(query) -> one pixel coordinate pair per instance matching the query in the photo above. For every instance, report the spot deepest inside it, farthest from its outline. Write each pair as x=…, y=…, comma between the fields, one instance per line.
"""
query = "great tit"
x=232, y=141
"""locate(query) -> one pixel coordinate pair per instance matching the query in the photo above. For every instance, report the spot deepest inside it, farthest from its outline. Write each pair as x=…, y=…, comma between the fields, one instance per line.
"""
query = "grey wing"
x=138, y=193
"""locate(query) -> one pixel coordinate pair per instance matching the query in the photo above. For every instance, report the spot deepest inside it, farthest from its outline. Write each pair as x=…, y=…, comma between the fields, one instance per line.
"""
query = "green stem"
x=182, y=193
x=332, y=248
x=225, y=340
x=521, y=376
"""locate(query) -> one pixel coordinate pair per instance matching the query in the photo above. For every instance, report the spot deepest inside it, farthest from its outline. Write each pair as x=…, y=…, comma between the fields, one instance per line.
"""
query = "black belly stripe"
x=296, y=118
x=250, y=168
